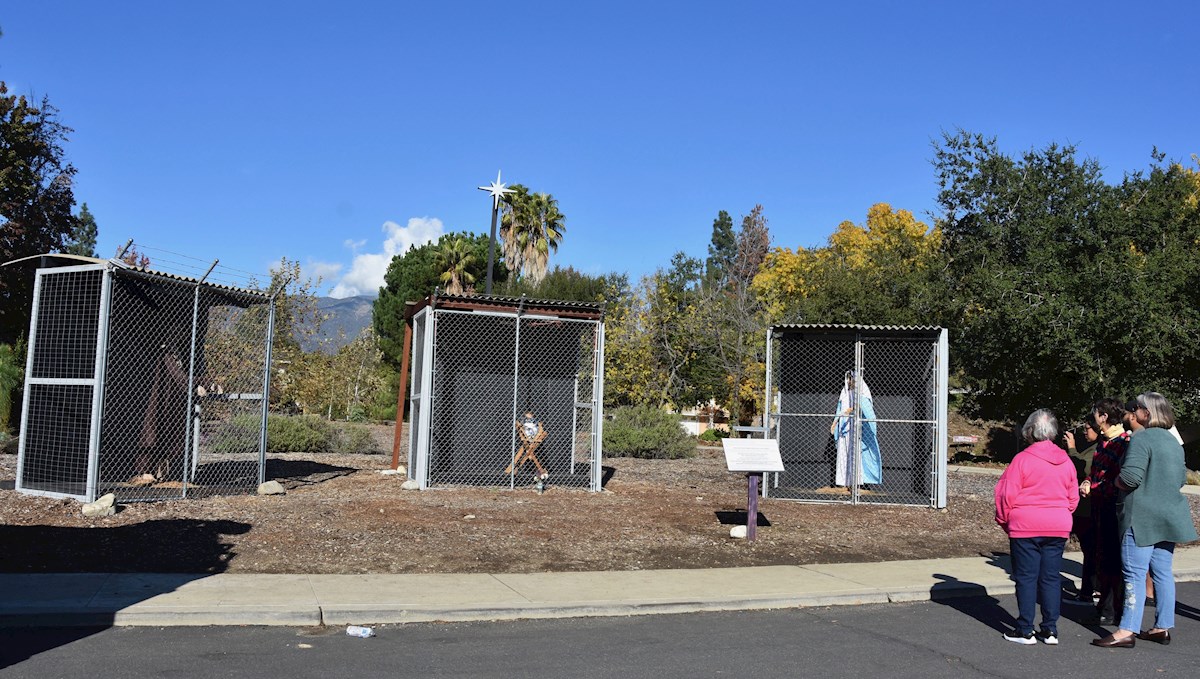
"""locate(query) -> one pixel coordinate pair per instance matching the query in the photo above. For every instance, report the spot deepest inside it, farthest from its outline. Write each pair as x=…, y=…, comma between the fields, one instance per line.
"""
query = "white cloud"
x=321, y=270
x=354, y=245
x=365, y=276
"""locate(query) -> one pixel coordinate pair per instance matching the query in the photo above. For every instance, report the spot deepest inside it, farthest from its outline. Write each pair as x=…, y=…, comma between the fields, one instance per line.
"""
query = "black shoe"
x=1048, y=637
x=1099, y=620
x=1150, y=601
x=1111, y=641
x=1018, y=638
x=1161, y=637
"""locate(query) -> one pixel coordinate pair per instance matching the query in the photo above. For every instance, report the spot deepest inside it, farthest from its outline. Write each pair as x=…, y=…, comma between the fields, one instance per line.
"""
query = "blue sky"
x=336, y=134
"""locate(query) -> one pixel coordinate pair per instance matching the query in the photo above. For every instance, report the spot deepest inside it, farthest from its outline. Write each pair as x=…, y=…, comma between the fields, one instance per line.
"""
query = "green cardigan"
x=1153, y=471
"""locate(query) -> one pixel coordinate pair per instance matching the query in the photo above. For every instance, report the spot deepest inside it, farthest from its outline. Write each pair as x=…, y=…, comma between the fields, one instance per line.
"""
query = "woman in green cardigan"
x=1154, y=516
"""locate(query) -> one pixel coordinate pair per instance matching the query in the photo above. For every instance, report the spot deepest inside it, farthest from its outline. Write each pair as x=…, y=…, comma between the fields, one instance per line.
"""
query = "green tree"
x=82, y=240
x=565, y=283
x=412, y=277
x=454, y=260
x=531, y=227
x=721, y=250
x=12, y=376
x=888, y=271
x=1024, y=240
x=36, y=198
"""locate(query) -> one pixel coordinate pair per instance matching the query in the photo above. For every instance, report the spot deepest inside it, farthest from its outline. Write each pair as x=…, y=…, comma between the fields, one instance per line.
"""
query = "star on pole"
x=497, y=190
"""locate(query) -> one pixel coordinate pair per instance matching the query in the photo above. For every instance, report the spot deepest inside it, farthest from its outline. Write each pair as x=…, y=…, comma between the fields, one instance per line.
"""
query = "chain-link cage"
x=505, y=399
x=859, y=414
x=173, y=402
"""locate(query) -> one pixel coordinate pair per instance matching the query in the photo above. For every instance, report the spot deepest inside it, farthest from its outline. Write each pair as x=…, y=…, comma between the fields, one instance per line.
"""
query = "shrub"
x=713, y=435
x=302, y=434
x=645, y=432
x=353, y=438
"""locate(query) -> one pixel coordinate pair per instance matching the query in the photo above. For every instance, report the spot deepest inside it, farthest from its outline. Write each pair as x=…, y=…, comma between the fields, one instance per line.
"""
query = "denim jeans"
x=1036, y=564
x=1134, y=563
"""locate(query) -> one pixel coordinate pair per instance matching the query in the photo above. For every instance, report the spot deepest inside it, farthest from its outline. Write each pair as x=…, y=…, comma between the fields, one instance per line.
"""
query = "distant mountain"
x=350, y=315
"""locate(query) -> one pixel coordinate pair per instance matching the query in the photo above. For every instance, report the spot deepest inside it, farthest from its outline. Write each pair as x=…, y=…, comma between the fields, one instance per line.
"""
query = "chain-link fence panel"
x=511, y=399
x=809, y=376
x=60, y=384
x=227, y=453
x=856, y=414
x=472, y=436
x=417, y=391
x=556, y=356
x=170, y=400
x=899, y=378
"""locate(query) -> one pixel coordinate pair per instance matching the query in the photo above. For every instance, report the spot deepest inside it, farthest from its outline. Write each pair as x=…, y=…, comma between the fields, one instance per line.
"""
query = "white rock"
x=411, y=484
x=468, y=517
x=390, y=472
x=738, y=532
x=104, y=506
x=271, y=488
x=402, y=470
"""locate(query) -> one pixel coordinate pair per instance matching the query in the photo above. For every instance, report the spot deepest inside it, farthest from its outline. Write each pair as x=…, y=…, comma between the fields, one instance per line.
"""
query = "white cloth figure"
x=530, y=427
x=870, y=462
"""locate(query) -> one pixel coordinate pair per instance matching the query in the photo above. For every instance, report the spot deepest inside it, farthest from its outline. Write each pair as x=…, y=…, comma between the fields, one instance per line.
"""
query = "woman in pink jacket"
x=1034, y=500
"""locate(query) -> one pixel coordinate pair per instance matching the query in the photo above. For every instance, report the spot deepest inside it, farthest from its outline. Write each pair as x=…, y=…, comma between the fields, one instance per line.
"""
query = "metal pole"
x=93, y=472
x=854, y=460
x=767, y=401
x=512, y=446
x=190, y=417
x=598, y=408
x=492, y=246
x=266, y=392
x=403, y=387
x=752, y=505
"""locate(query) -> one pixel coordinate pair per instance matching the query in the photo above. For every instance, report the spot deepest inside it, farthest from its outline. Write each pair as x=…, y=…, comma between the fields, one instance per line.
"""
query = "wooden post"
x=752, y=505
x=400, y=400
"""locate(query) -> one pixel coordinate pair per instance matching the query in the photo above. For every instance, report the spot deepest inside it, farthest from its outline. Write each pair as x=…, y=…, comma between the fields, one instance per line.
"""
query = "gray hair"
x=1042, y=425
x=1161, y=413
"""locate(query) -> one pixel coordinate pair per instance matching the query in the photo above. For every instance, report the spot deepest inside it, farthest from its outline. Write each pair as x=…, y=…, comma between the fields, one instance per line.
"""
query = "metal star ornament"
x=497, y=190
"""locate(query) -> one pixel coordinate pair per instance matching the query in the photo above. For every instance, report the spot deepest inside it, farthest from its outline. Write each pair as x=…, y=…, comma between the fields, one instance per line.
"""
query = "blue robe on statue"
x=870, y=462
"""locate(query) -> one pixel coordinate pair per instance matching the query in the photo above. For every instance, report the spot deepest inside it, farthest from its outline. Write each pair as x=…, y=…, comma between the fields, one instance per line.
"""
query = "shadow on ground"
x=296, y=473
x=35, y=596
x=158, y=546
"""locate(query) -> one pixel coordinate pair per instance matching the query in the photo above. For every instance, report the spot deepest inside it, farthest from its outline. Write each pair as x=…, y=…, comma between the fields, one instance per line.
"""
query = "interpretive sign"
x=752, y=455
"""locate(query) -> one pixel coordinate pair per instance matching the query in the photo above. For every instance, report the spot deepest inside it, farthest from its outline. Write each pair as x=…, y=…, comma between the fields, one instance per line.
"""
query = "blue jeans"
x=1036, y=564
x=1134, y=563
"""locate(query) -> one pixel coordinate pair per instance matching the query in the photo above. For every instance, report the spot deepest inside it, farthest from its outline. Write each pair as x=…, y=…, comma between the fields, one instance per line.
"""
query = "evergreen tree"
x=35, y=199
x=82, y=240
x=721, y=250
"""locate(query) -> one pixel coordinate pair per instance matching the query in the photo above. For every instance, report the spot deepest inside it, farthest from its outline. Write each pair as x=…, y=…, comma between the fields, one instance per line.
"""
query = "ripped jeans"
x=1134, y=563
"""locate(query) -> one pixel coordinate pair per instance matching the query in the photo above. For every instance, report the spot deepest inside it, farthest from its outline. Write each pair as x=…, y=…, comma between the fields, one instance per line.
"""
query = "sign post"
x=753, y=456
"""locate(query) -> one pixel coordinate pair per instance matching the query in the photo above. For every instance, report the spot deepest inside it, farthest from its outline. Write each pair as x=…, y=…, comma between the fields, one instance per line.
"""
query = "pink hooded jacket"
x=1037, y=493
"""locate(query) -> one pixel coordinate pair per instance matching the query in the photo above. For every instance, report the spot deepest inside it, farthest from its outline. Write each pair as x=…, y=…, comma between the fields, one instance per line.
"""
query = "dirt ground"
x=340, y=515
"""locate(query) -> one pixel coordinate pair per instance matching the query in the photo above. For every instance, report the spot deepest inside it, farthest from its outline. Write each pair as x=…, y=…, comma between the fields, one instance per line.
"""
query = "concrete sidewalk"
x=301, y=600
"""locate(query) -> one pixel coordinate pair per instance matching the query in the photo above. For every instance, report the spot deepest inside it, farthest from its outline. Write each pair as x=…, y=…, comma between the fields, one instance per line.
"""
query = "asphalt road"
x=958, y=638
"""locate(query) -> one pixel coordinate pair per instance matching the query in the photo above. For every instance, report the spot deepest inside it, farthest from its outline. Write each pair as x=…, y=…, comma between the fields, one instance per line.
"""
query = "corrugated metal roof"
x=847, y=326
x=193, y=281
x=526, y=301
x=586, y=310
x=98, y=262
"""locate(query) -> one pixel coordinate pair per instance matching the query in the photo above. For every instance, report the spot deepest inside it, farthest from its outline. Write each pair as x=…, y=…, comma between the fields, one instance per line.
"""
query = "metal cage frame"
x=808, y=354
x=513, y=333
x=92, y=339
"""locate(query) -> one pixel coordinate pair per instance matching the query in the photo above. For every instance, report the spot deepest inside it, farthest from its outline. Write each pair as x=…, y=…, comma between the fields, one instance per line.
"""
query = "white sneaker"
x=1049, y=638
x=1018, y=638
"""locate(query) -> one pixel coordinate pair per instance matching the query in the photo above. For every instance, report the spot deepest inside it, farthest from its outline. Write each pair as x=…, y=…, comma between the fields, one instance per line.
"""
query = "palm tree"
x=453, y=259
x=531, y=228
